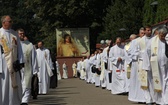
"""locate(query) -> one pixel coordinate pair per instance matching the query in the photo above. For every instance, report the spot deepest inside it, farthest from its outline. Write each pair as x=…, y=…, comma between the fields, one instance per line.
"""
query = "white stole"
x=10, y=53
x=28, y=61
x=142, y=73
x=102, y=69
x=154, y=64
x=128, y=65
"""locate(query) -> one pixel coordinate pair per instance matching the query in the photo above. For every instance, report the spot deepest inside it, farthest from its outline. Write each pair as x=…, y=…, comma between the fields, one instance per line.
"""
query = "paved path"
x=76, y=92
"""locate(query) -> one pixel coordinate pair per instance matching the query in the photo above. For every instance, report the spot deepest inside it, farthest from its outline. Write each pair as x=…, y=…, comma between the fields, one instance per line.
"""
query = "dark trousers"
x=34, y=86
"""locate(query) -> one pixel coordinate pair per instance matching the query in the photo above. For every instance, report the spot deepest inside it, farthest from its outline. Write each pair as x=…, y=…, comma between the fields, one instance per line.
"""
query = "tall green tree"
x=155, y=11
x=123, y=18
x=149, y=12
x=69, y=14
x=162, y=11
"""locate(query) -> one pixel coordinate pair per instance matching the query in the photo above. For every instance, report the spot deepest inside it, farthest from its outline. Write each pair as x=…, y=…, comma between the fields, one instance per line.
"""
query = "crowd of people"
x=24, y=69
x=138, y=68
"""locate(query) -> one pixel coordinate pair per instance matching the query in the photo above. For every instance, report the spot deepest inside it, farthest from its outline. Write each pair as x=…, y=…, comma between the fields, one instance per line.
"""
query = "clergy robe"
x=136, y=94
x=127, y=65
x=1, y=67
x=44, y=70
x=87, y=68
x=78, y=68
x=149, y=93
x=102, y=75
x=58, y=70
x=30, y=69
x=161, y=97
x=93, y=63
x=118, y=75
x=97, y=64
x=10, y=95
x=107, y=71
x=89, y=73
x=83, y=73
x=74, y=70
x=65, y=71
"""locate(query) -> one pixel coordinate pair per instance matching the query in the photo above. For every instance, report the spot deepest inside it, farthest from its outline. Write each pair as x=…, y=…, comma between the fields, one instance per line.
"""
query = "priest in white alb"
x=30, y=66
x=13, y=60
x=74, y=69
x=136, y=93
x=1, y=67
x=145, y=77
x=118, y=72
x=156, y=60
x=65, y=71
x=128, y=61
x=58, y=70
x=44, y=65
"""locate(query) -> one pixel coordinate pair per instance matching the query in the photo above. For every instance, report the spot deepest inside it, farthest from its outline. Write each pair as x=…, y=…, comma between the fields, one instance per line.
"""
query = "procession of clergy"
x=139, y=69
x=20, y=61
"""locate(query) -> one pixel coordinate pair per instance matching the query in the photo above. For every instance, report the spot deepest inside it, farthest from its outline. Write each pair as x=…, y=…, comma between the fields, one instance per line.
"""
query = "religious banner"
x=72, y=42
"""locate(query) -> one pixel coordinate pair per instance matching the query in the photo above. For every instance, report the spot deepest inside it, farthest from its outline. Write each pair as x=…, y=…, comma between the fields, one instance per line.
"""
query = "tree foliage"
x=69, y=14
x=162, y=11
x=123, y=14
x=104, y=18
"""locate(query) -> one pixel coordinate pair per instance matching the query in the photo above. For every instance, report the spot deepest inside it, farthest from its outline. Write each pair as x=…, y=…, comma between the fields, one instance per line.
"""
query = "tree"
x=149, y=13
x=162, y=11
x=68, y=14
x=125, y=14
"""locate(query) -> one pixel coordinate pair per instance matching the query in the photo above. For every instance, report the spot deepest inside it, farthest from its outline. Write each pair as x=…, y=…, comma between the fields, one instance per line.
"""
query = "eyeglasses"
x=21, y=33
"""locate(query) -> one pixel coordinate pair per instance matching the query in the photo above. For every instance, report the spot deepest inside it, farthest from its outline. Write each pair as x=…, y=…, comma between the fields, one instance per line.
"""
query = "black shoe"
x=149, y=104
x=34, y=98
x=103, y=87
x=141, y=102
x=24, y=104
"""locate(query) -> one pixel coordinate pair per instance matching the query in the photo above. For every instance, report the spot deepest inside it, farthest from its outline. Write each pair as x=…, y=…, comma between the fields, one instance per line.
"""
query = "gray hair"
x=3, y=18
x=133, y=36
x=141, y=29
x=162, y=30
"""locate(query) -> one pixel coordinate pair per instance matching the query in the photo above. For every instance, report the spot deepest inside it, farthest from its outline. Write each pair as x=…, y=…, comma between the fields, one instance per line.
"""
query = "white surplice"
x=83, y=72
x=118, y=75
x=30, y=68
x=44, y=76
x=74, y=70
x=102, y=74
x=148, y=93
x=58, y=70
x=10, y=95
x=97, y=64
x=1, y=67
x=87, y=69
x=127, y=63
x=89, y=73
x=65, y=71
x=160, y=97
x=106, y=71
x=136, y=94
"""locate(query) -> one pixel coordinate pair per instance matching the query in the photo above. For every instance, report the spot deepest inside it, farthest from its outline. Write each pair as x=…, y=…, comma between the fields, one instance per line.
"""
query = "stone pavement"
x=76, y=92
